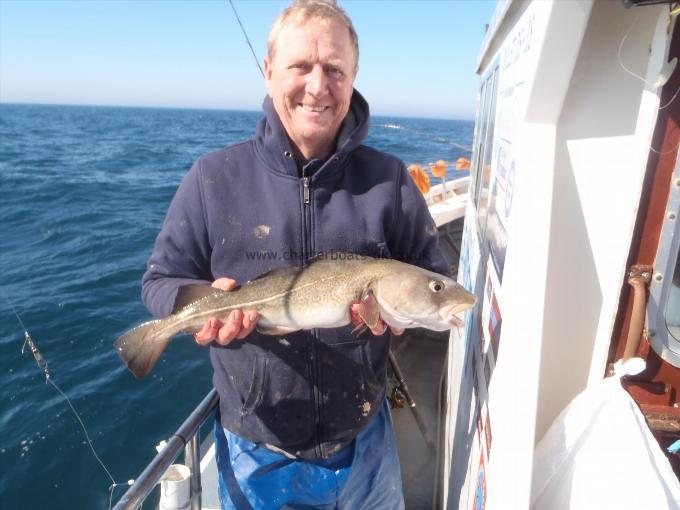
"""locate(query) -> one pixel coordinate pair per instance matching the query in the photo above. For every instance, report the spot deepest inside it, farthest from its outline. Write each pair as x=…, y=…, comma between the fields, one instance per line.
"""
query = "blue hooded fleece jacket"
x=249, y=208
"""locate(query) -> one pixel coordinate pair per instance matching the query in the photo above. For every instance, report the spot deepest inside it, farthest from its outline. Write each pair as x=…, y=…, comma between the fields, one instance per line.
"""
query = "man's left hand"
x=379, y=326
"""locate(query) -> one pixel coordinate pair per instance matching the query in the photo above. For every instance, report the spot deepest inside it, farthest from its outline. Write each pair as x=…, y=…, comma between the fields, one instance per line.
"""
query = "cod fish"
x=319, y=295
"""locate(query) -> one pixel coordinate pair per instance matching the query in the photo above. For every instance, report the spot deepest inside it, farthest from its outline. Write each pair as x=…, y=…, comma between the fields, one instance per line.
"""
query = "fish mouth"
x=456, y=321
x=452, y=315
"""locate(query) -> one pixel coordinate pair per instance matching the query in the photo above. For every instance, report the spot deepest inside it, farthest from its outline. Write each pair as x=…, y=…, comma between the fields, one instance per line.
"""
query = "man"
x=303, y=417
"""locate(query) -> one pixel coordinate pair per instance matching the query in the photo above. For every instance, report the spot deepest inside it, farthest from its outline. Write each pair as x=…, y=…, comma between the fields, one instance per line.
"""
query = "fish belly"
x=308, y=317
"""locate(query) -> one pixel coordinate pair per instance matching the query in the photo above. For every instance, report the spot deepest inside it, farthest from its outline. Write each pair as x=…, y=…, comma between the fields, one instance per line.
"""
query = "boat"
x=569, y=237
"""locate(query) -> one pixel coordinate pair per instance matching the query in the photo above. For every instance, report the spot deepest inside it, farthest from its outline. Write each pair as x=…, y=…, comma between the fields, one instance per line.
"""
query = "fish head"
x=414, y=297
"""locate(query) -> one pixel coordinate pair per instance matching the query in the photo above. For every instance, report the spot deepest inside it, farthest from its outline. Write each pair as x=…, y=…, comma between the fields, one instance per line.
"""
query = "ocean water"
x=83, y=193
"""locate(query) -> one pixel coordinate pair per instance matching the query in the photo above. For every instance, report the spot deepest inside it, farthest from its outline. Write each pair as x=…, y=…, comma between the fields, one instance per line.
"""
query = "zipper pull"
x=305, y=189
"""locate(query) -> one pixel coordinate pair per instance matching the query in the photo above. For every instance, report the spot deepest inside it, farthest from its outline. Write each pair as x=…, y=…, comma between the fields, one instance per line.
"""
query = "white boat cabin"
x=574, y=182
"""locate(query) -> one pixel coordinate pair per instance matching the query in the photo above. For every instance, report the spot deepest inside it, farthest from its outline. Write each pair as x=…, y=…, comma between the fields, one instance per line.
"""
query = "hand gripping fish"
x=316, y=296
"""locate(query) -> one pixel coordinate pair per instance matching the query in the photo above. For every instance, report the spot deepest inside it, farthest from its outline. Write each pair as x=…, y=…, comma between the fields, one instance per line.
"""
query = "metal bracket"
x=639, y=277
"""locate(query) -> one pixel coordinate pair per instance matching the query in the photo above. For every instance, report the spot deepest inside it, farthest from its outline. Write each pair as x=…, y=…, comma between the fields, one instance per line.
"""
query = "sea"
x=83, y=194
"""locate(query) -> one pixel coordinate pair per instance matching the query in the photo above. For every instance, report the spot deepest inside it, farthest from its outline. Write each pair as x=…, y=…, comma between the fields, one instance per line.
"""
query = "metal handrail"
x=186, y=435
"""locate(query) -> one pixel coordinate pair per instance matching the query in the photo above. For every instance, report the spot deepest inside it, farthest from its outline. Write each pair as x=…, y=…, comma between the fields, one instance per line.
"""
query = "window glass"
x=484, y=173
x=673, y=304
x=480, y=133
x=663, y=307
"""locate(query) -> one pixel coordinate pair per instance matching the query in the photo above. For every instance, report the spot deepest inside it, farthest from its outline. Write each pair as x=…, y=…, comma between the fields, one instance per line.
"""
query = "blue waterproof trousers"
x=363, y=475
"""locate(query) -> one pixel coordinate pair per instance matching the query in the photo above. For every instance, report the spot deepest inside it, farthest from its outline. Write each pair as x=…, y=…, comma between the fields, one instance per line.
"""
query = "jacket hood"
x=273, y=142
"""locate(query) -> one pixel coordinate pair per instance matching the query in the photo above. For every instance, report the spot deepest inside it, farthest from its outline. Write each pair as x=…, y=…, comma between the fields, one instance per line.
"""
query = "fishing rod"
x=401, y=395
x=252, y=50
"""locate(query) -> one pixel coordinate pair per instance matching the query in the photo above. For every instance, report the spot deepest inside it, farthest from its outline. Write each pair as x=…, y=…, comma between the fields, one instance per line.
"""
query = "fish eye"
x=437, y=286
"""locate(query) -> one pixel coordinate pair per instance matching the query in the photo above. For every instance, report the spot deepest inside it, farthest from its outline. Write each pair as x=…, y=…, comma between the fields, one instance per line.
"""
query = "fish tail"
x=141, y=347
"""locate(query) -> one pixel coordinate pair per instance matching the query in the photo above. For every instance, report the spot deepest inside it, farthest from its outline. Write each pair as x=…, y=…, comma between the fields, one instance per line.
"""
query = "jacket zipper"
x=305, y=191
x=313, y=355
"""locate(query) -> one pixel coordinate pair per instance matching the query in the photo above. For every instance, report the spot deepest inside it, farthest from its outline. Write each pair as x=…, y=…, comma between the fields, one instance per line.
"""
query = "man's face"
x=310, y=80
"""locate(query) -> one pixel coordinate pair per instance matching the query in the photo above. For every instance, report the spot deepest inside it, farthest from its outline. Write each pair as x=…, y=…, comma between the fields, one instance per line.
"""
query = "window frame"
x=662, y=341
x=484, y=144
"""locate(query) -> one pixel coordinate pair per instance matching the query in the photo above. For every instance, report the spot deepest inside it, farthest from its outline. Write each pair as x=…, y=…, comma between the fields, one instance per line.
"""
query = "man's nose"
x=317, y=81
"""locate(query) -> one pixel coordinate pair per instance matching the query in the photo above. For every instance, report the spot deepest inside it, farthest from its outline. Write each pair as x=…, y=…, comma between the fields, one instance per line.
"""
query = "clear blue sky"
x=417, y=57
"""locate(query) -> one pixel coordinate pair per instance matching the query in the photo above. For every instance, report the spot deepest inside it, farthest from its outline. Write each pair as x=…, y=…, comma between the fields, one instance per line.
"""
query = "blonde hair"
x=312, y=10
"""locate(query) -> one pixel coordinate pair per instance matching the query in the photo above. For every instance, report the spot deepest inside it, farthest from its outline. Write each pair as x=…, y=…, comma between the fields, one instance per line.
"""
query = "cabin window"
x=663, y=311
x=673, y=305
x=484, y=146
x=480, y=133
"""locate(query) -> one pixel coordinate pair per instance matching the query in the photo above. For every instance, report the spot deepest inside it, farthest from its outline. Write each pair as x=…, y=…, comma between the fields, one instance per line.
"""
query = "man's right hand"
x=237, y=326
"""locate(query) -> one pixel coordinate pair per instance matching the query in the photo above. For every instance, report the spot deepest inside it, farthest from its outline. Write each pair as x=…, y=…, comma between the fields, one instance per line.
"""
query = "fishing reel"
x=397, y=398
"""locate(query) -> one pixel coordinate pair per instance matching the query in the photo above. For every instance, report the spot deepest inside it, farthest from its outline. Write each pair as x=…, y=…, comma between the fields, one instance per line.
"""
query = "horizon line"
x=205, y=108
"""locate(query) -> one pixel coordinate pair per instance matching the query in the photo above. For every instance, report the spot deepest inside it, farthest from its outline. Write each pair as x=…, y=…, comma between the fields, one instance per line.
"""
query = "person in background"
x=303, y=418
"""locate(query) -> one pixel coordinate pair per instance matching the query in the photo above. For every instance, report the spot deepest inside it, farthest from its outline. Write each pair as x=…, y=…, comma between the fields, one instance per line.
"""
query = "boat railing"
x=188, y=438
x=446, y=190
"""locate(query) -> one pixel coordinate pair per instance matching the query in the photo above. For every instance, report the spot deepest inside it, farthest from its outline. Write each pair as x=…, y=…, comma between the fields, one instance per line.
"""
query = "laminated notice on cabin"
x=600, y=453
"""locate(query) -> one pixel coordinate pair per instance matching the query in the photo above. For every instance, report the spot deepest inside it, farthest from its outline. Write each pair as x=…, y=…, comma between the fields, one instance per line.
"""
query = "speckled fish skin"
x=316, y=296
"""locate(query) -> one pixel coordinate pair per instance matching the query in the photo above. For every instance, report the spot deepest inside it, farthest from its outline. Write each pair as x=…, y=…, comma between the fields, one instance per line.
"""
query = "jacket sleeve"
x=181, y=254
x=415, y=239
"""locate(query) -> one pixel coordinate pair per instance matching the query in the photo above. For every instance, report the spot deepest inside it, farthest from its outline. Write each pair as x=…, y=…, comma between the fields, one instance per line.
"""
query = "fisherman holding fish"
x=303, y=417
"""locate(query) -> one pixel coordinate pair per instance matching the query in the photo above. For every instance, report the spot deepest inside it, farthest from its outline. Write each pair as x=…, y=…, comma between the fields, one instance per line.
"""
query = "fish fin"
x=318, y=258
x=274, y=330
x=140, y=347
x=188, y=294
x=279, y=271
x=333, y=255
x=369, y=310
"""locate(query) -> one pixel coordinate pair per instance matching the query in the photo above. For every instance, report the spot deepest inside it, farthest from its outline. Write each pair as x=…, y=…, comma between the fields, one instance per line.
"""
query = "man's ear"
x=267, y=75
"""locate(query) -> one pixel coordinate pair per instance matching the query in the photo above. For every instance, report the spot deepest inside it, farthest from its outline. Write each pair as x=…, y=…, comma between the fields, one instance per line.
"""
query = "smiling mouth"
x=313, y=109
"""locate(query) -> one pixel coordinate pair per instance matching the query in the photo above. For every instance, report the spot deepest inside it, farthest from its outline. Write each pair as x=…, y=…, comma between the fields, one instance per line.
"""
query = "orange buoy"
x=463, y=164
x=439, y=168
x=419, y=176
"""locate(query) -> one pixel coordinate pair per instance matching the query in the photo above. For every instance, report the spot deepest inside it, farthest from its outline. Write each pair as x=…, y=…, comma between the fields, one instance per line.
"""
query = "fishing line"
x=247, y=39
x=635, y=75
x=670, y=101
x=673, y=12
x=42, y=365
x=660, y=153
